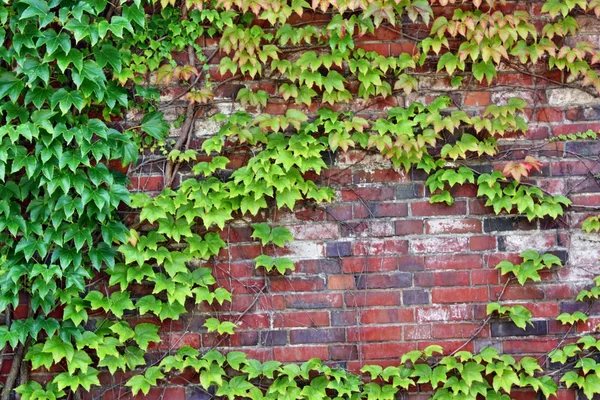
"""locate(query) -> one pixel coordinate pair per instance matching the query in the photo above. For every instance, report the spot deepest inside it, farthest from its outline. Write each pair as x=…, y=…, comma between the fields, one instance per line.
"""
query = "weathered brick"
x=458, y=312
x=296, y=284
x=439, y=245
x=441, y=226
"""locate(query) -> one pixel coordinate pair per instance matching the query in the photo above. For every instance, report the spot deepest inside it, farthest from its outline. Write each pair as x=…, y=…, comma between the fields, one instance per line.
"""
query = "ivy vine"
x=79, y=87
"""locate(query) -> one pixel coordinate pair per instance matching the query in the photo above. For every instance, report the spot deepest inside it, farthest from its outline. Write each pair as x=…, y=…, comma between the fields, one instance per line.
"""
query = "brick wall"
x=381, y=271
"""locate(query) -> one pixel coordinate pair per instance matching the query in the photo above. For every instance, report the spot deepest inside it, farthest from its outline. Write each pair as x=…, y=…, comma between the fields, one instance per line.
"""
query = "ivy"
x=71, y=70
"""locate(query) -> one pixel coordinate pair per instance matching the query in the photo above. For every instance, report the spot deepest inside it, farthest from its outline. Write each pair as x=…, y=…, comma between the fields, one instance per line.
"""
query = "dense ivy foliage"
x=70, y=71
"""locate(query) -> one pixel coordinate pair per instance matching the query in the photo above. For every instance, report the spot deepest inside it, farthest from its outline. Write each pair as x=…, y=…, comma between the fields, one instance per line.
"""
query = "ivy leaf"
x=138, y=384
x=146, y=334
x=59, y=349
x=284, y=264
x=66, y=100
x=486, y=69
x=108, y=54
x=154, y=125
x=263, y=232
x=10, y=86
x=280, y=236
x=520, y=316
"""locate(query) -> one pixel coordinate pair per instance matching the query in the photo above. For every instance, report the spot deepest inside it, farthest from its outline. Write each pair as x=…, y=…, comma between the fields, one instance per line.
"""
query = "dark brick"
x=343, y=352
x=507, y=224
x=508, y=328
x=411, y=263
x=562, y=254
x=411, y=297
x=343, y=318
x=273, y=338
x=572, y=307
x=338, y=249
x=197, y=393
x=317, y=335
x=407, y=191
x=377, y=281
x=583, y=148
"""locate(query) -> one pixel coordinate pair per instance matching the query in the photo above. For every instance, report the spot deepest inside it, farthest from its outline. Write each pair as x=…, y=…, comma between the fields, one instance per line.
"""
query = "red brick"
x=342, y=212
x=417, y=332
x=398, y=48
x=442, y=278
x=455, y=261
x=559, y=292
x=458, y=312
x=448, y=346
x=457, y=331
x=369, y=194
x=549, y=114
x=301, y=319
x=482, y=243
x=369, y=264
x=484, y=277
x=306, y=301
x=459, y=295
x=379, y=48
x=529, y=346
x=409, y=227
x=372, y=299
x=343, y=352
x=300, y=353
x=340, y=282
x=296, y=284
x=517, y=293
x=374, y=351
x=389, y=209
x=477, y=99
x=374, y=333
x=387, y=315
x=148, y=183
x=426, y=209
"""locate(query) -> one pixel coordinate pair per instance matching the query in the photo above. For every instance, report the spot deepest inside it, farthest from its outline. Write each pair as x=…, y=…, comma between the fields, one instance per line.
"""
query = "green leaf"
x=484, y=69
x=66, y=100
x=154, y=125
x=145, y=334
x=10, y=86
